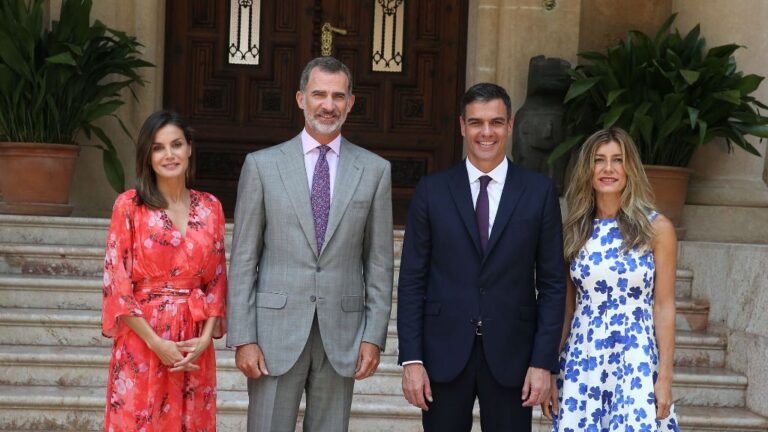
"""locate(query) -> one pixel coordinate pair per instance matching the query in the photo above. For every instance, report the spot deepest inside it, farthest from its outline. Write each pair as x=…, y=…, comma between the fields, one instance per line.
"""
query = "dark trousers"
x=501, y=408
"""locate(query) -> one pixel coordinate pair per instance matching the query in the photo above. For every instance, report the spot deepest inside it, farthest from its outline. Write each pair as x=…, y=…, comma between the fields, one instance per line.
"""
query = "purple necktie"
x=481, y=211
x=321, y=196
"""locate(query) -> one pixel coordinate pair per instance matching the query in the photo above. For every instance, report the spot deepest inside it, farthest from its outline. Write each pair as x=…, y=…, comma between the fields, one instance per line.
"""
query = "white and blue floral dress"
x=610, y=361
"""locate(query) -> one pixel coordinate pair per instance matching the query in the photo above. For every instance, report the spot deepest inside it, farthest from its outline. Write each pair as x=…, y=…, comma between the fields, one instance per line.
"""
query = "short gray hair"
x=326, y=64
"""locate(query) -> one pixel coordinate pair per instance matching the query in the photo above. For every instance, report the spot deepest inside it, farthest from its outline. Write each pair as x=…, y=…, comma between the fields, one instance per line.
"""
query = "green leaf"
x=730, y=96
x=580, y=87
x=564, y=148
x=114, y=170
x=693, y=115
x=645, y=126
x=756, y=130
x=62, y=58
x=613, y=94
x=749, y=83
x=702, y=131
x=612, y=116
x=689, y=76
x=103, y=109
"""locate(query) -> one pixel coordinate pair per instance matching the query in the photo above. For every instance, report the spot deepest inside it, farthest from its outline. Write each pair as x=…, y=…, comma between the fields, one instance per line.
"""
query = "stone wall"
x=734, y=278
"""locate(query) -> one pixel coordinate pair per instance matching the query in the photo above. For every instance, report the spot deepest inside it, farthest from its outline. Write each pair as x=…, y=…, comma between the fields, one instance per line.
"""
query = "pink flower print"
x=210, y=298
x=190, y=245
x=148, y=243
x=154, y=219
x=107, y=279
x=176, y=240
x=120, y=385
x=143, y=367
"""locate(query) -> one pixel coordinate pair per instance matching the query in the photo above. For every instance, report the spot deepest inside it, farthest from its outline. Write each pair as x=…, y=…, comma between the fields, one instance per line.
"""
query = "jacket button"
x=317, y=269
x=482, y=292
x=312, y=298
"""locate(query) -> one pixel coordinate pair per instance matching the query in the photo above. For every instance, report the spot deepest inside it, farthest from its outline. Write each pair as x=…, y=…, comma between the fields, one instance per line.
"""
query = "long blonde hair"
x=636, y=198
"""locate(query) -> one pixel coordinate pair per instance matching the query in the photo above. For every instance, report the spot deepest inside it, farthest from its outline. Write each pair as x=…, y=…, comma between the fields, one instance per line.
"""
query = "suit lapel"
x=348, y=174
x=294, y=175
x=462, y=197
x=510, y=195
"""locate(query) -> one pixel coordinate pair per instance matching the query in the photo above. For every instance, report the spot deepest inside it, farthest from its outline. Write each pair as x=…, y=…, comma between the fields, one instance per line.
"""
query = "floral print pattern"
x=175, y=282
x=609, y=363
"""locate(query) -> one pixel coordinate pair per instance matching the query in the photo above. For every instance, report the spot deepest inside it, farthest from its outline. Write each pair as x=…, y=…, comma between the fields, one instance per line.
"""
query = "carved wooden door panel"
x=408, y=117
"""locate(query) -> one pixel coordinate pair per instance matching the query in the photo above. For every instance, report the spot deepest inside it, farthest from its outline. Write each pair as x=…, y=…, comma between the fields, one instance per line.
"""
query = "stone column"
x=728, y=195
x=503, y=35
x=145, y=19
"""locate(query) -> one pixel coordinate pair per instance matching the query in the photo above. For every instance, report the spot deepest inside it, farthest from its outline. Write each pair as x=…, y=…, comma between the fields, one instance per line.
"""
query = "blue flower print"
x=645, y=427
x=613, y=233
x=618, y=319
x=644, y=368
x=639, y=414
x=582, y=389
x=622, y=284
x=651, y=398
x=596, y=258
x=584, y=270
x=597, y=414
x=602, y=287
x=612, y=253
x=635, y=383
x=571, y=403
x=619, y=267
x=631, y=263
x=594, y=393
x=635, y=293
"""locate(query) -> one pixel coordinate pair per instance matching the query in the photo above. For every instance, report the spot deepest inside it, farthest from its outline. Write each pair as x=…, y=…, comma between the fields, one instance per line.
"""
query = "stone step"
x=82, y=327
x=699, y=349
x=74, y=366
x=50, y=292
x=37, y=408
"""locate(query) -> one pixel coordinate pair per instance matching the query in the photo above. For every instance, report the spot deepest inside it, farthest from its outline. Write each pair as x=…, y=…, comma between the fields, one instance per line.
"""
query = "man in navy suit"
x=482, y=285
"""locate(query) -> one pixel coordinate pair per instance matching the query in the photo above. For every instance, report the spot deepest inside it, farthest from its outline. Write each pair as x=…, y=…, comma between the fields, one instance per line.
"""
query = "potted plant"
x=54, y=84
x=672, y=96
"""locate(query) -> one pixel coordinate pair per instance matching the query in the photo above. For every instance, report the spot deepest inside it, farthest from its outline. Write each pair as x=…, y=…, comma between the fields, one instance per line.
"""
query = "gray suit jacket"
x=277, y=281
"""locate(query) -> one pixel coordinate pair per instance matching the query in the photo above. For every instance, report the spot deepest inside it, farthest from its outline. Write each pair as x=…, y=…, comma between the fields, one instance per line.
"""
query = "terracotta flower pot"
x=35, y=178
x=670, y=187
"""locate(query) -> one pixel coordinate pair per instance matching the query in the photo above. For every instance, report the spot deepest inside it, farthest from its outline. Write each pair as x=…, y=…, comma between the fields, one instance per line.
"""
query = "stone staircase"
x=53, y=358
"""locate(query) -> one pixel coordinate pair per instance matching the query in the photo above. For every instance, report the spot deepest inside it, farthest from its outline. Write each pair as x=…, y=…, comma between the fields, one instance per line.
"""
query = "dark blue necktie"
x=481, y=211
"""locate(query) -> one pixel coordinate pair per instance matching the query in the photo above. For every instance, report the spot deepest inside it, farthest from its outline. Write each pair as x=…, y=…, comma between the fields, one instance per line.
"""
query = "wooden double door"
x=408, y=117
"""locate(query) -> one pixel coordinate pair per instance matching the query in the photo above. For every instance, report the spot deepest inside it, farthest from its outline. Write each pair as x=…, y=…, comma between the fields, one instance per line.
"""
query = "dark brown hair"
x=147, y=192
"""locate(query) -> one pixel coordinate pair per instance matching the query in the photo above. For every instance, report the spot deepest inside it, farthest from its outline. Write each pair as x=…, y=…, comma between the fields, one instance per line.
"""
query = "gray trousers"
x=274, y=400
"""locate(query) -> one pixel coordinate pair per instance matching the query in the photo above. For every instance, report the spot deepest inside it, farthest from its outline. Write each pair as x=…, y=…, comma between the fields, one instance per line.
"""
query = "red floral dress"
x=175, y=282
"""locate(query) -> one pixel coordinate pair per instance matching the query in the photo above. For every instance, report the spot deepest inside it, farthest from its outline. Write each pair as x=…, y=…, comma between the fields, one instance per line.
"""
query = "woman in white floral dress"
x=619, y=332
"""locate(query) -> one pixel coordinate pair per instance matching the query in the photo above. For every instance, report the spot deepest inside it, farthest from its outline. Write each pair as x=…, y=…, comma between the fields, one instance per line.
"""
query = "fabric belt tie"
x=177, y=291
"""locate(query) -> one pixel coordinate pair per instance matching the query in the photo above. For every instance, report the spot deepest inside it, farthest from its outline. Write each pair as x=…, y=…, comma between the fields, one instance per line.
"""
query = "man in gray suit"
x=310, y=280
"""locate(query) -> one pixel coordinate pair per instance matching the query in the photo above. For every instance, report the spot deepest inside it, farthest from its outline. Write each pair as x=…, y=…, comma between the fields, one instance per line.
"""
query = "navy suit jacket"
x=517, y=287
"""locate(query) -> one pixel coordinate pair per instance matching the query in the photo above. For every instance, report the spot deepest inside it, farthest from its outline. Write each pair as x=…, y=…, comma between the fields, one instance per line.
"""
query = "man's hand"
x=551, y=407
x=250, y=360
x=416, y=387
x=536, y=387
x=367, y=360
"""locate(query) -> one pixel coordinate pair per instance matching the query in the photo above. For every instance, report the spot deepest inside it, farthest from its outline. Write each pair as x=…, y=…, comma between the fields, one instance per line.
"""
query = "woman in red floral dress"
x=164, y=290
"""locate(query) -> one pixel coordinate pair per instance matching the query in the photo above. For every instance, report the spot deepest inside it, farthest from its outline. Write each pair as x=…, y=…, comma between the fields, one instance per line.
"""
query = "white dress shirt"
x=498, y=175
x=312, y=153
